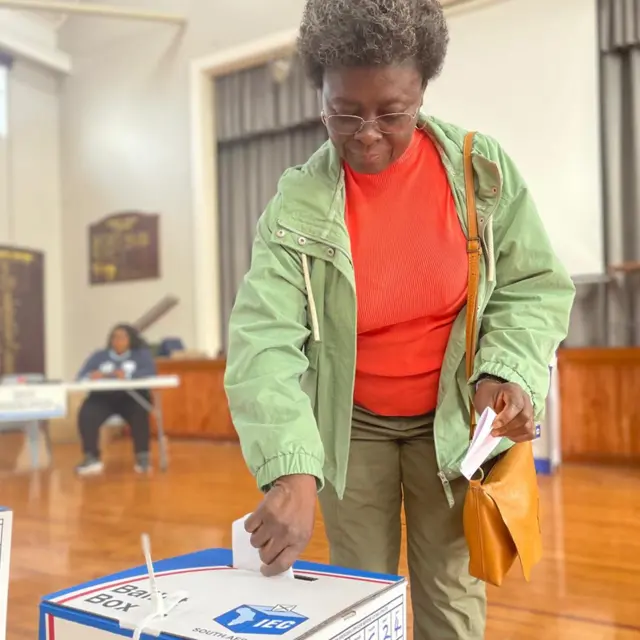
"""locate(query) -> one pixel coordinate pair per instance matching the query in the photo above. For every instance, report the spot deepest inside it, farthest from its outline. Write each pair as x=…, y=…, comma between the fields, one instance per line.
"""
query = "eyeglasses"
x=389, y=123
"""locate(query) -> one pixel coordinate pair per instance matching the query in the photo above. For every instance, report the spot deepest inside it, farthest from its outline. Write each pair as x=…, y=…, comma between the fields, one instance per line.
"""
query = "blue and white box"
x=546, y=448
x=6, y=522
x=23, y=402
x=214, y=600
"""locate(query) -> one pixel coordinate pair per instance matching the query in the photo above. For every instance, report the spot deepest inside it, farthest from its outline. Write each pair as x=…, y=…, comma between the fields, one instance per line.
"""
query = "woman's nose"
x=369, y=134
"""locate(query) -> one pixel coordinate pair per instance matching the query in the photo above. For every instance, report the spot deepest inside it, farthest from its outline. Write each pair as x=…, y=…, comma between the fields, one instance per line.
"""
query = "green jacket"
x=292, y=336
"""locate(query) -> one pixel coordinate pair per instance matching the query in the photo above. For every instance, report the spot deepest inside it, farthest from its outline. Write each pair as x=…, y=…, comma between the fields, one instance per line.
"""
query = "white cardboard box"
x=26, y=402
x=6, y=518
x=326, y=603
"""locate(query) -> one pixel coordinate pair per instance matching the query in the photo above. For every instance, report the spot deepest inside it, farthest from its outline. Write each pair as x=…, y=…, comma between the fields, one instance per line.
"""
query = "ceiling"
x=53, y=18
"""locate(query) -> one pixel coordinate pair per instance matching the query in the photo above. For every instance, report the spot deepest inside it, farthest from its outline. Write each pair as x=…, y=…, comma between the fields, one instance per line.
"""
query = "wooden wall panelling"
x=600, y=404
x=198, y=407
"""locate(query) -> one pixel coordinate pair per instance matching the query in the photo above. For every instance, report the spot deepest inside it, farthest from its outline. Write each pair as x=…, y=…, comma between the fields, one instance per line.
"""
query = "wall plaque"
x=22, y=322
x=124, y=247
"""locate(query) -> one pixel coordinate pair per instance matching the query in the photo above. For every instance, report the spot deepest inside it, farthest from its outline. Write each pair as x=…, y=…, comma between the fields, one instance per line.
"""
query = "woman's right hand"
x=282, y=525
x=95, y=375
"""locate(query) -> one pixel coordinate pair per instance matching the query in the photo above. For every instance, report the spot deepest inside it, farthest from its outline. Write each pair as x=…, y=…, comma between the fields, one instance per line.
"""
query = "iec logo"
x=271, y=621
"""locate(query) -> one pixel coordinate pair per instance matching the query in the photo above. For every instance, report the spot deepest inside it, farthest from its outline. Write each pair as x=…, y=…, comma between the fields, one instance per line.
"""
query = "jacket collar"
x=311, y=197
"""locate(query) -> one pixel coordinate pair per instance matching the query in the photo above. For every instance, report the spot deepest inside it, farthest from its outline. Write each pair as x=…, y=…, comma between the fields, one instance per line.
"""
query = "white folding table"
x=32, y=403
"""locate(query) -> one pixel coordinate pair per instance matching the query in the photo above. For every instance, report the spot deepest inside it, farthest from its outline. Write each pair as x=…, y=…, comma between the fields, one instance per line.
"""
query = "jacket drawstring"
x=491, y=271
x=311, y=302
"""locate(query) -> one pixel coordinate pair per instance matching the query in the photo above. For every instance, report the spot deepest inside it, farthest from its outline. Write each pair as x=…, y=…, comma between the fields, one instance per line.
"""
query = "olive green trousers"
x=392, y=461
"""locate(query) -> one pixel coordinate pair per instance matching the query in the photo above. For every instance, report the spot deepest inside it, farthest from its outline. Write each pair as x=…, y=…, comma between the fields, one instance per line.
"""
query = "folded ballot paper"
x=5, y=554
x=245, y=556
x=221, y=594
x=482, y=445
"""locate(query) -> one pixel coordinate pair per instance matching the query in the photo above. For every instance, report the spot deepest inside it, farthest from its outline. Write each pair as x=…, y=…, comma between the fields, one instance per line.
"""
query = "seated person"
x=126, y=356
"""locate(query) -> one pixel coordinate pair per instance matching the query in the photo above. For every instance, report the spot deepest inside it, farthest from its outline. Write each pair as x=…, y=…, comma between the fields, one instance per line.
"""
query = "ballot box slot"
x=296, y=576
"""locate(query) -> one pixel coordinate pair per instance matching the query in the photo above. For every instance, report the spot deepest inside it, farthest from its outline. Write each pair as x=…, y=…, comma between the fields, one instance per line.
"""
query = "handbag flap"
x=518, y=502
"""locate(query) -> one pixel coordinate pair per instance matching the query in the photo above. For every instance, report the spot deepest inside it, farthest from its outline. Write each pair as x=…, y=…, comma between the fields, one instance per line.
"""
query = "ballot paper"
x=245, y=556
x=482, y=444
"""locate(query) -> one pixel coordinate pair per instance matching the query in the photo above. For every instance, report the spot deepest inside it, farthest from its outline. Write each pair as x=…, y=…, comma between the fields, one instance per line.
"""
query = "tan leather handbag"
x=501, y=511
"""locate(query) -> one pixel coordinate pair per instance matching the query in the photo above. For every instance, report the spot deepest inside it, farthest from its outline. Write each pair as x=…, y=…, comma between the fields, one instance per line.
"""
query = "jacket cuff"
x=289, y=464
x=499, y=370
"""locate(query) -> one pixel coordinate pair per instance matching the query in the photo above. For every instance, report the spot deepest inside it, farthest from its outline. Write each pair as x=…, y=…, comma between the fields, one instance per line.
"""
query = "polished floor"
x=68, y=531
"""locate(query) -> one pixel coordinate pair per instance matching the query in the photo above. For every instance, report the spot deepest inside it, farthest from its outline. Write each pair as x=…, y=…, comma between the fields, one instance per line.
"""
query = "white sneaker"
x=90, y=466
x=143, y=463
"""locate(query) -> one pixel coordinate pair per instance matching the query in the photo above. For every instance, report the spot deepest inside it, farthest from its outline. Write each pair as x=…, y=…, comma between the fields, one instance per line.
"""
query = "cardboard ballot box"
x=5, y=554
x=218, y=601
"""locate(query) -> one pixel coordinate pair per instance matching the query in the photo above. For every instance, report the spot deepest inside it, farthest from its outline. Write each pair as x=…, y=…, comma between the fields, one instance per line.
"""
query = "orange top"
x=410, y=260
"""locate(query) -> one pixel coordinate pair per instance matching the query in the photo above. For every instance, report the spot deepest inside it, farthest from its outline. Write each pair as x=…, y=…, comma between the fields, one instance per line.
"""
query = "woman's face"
x=369, y=92
x=120, y=340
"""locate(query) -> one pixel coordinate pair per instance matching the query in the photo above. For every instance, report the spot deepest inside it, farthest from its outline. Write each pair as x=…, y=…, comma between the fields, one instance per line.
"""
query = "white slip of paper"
x=482, y=444
x=245, y=556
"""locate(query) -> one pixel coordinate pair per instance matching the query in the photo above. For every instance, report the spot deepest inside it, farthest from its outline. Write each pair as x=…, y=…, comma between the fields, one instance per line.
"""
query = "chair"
x=33, y=428
x=116, y=421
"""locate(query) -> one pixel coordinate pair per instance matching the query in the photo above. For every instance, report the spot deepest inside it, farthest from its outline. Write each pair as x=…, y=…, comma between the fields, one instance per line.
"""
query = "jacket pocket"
x=312, y=351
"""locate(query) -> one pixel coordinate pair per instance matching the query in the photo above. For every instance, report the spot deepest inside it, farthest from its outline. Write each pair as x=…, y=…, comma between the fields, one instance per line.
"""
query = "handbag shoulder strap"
x=474, y=251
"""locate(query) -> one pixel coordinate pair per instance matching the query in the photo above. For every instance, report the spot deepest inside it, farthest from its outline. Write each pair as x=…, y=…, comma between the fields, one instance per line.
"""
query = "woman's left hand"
x=513, y=408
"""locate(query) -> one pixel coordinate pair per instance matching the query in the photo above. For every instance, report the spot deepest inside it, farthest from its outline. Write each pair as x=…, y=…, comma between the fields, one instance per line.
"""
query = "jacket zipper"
x=447, y=488
x=488, y=253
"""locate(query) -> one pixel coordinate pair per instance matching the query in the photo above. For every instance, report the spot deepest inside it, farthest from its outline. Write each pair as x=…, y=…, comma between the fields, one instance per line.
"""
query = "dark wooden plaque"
x=124, y=247
x=22, y=322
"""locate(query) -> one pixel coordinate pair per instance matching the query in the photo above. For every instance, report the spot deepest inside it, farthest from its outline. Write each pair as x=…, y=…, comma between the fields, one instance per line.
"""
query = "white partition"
x=526, y=73
x=546, y=448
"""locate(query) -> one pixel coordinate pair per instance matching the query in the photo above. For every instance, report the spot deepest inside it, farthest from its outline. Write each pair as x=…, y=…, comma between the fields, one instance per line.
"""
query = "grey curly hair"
x=359, y=33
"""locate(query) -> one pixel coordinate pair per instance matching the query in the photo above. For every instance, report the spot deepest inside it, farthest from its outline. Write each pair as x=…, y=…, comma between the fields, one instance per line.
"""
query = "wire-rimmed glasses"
x=388, y=123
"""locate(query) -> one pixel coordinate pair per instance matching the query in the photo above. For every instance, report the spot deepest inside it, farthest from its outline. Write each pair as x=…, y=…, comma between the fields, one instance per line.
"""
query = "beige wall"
x=126, y=145
x=30, y=210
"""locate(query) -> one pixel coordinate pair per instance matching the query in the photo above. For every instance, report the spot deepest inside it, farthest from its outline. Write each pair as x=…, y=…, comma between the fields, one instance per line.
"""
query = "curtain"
x=620, y=94
x=7, y=221
x=268, y=119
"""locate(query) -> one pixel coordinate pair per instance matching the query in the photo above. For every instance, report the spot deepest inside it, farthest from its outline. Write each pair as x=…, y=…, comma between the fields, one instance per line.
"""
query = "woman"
x=345, y=370
x=126, y=356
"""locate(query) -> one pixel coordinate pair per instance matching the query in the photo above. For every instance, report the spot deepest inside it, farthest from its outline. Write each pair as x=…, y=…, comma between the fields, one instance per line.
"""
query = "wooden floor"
x=68, y=531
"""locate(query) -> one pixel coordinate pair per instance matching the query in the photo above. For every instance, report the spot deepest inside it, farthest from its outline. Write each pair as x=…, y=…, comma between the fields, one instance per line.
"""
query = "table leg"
x=162, y=443
x=44, y=429
x=32, y=431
